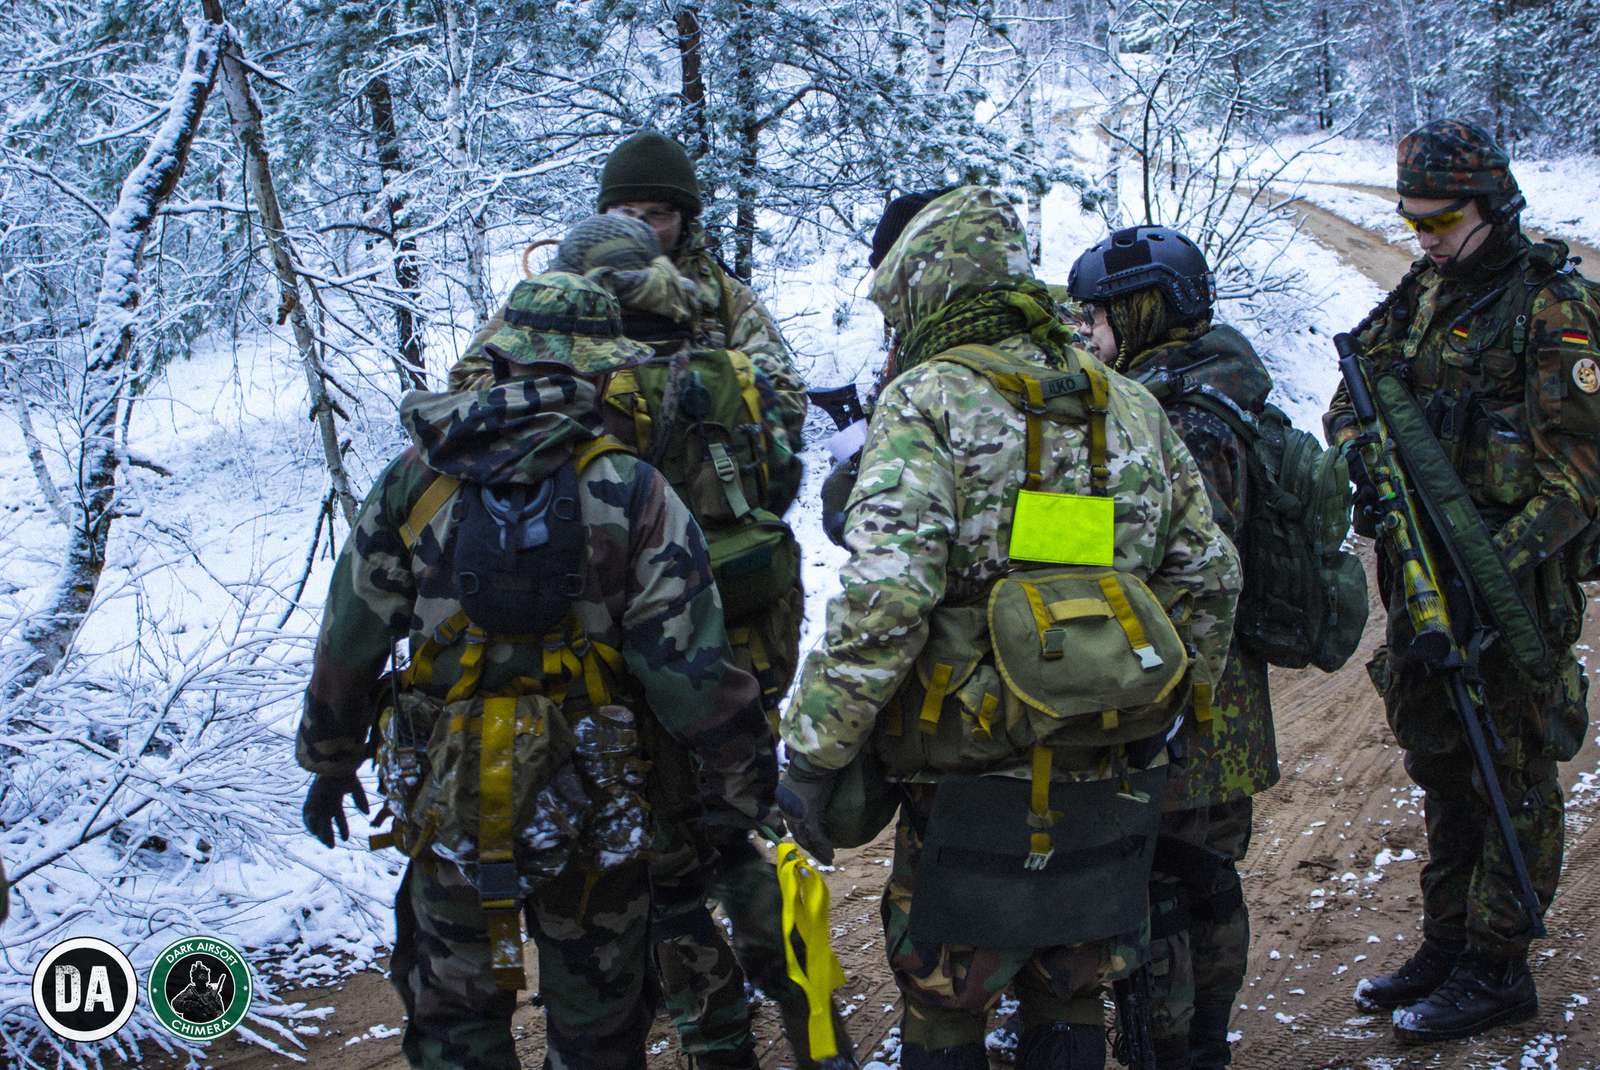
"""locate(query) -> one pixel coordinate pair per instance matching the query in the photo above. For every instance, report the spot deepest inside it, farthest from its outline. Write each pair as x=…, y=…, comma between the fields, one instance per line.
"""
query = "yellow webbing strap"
x=745, y=371
x=471, y=666
x=1040, y=816
x=933, y=700
x=1099, y=395
x=1077, y=608
x=1041, y=617
x=805, y=914
x=1111, y=587
x=420, y=671
x=1033, y=414
x=597, y=447
x=502, y=905
x=1202, y=703
x=986, y=710
x=623, y=393
x=422, y=513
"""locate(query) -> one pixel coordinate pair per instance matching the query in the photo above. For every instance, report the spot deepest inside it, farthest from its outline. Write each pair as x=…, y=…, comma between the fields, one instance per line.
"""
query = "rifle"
x=843, y=403
x=1134, y=1047
x=1379, y=461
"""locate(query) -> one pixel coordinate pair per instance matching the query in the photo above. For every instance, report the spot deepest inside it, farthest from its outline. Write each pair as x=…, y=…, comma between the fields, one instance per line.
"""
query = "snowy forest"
x=234, y=233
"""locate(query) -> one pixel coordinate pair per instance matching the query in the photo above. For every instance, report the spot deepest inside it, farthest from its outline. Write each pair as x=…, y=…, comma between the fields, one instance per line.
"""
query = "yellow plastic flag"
x=805, y=913
x=1064, y=529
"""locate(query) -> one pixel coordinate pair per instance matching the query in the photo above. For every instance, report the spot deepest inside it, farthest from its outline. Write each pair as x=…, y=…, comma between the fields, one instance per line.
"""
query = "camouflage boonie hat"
x=1451, y=158
x=607, y=241
x=561, y=318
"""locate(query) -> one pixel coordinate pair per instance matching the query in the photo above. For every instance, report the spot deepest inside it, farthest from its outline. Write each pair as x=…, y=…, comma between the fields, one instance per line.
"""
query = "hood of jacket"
x=514, y=431
x=1222, y=358
x=963, y=243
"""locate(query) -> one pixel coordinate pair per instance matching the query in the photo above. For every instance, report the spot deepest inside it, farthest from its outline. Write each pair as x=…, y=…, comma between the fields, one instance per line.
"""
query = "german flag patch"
x=1459, y=331
x=1570, y=337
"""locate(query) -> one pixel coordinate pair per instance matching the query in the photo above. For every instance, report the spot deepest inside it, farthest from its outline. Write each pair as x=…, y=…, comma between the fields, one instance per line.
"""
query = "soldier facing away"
x=1010, y=805
x=493, y=690
x=678, y=408
x=1148, y=291
x=1496, y=338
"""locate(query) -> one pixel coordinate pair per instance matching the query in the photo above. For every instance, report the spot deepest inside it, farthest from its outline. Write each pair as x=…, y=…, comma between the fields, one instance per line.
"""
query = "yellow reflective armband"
x=1063, y=529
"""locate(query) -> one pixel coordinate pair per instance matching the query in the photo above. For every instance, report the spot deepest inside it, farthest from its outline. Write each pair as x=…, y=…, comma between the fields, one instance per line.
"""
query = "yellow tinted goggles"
x=1437, y=221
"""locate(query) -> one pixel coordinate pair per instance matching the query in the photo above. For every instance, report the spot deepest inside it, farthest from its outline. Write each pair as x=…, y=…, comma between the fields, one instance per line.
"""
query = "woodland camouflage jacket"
x=647, y=589
x=1238, y=754
x=930, y=517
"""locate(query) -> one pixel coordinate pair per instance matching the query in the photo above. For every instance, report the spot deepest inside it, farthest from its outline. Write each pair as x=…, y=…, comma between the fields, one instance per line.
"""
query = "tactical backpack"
x=697, y=417
x=1304, y=600
x=508, y=783
x=1064, y=650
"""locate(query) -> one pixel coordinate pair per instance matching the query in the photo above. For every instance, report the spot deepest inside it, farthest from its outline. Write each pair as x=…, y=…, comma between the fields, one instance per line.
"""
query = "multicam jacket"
x=1237, y=754
x=930, y=517
x=647, y=589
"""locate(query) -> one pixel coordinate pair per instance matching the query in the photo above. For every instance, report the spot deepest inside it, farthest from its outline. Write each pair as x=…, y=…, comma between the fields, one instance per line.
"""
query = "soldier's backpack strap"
x=1031, y=392
x=433, y=498
x=724, y=300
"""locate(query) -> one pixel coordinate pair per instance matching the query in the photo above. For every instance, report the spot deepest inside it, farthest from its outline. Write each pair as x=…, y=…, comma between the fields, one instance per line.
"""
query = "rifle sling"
x=1460, y=527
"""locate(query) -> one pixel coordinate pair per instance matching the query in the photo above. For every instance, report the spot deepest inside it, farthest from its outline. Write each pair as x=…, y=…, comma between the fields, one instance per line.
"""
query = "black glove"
x=324, y=806
x=803, y=793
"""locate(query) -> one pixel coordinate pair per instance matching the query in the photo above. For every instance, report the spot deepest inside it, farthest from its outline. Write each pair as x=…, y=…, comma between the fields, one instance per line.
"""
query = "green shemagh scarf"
x=986, y=318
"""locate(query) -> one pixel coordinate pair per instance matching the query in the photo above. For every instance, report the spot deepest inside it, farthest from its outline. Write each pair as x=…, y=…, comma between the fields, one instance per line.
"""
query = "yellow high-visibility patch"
x=1063, y=529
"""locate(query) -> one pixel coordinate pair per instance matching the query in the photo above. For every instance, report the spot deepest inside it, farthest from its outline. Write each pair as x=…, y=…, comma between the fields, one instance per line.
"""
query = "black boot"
x=959, y=1057
x=1479, y=994
x=1208, y=1036
x=1061, y=1046
x=1415, y=980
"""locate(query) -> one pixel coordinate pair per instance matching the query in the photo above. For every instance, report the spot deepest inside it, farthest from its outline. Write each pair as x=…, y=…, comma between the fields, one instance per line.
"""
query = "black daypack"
x=516, y=553
x=1304, y=600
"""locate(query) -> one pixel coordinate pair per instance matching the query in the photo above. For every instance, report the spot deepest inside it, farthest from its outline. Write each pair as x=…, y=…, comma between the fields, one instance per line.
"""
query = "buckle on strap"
x=498, y=888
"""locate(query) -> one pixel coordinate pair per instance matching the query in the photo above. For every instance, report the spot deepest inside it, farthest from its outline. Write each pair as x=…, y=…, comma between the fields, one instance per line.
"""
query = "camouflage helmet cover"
x=561, y=318
x=1451, y=158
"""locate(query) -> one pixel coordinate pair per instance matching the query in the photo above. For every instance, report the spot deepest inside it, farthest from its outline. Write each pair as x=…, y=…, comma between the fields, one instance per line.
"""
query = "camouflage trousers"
x=1468, y=891
x=948, y=989
x=1200, y=931
x=702, y=976
x=591, y=931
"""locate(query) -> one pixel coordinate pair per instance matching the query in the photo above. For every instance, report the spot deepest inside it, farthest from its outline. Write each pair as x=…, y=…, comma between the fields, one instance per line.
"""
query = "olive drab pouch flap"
x=755, y=561
x=1090, y=654
x=976, y=850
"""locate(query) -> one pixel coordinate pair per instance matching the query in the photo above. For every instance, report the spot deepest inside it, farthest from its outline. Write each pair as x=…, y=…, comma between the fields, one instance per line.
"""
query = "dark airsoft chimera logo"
x=84, y=989
x=199, y=988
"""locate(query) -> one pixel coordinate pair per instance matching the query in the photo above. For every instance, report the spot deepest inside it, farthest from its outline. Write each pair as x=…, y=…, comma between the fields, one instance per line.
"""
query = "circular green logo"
x=199, y=988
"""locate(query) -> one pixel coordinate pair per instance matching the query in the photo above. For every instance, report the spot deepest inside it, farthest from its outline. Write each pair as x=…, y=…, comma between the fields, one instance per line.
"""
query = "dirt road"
x=1331, y=880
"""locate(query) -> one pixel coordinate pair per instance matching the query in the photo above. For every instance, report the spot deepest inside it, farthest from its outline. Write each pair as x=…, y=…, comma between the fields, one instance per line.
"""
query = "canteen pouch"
x=755, y=561
x=864, y=802
x=974, y=886
x=1090, y=654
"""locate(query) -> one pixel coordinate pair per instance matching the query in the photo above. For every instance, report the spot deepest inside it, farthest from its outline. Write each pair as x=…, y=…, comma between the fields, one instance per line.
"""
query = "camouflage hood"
x=516, y=431
x=962, y=244
x=1231, y=365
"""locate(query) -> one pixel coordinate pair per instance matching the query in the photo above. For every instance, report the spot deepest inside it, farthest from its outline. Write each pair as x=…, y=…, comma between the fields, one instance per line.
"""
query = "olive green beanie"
x=649, y=166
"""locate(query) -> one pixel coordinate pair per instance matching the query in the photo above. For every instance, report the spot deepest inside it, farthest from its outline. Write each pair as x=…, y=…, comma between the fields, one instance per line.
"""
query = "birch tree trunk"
x=938, y=15
x=747, y=125
x=244, y=112
x=407, y=273
x=455, y=117
x=1112, y=209
x=12, y=385
x=109, y=370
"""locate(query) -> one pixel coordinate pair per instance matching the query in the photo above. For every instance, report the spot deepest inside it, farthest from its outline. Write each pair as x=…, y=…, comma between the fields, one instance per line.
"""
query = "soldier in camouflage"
x=648, y=176
x=1147, y=294
x=703, y=979
x=646, y=594
x=1497, y=338
x=928, y=526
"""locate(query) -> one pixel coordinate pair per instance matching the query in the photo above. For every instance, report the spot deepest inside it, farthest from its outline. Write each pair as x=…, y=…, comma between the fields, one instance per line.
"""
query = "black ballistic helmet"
x=1138, y=258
